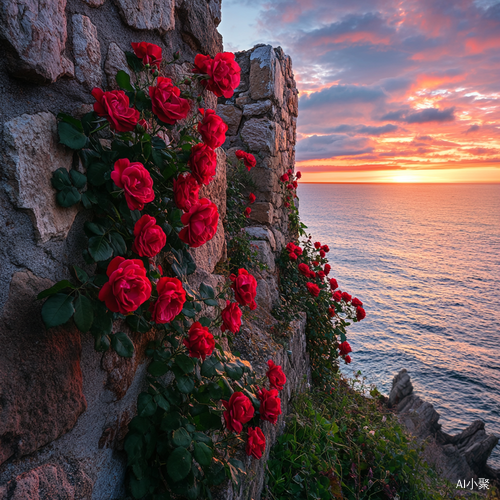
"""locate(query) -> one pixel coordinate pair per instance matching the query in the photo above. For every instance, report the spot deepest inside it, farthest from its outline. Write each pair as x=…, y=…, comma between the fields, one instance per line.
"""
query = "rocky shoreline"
x=456, y=457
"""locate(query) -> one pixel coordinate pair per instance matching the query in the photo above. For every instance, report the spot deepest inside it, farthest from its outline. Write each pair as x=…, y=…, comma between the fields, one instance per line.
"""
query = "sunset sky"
x=390, y=91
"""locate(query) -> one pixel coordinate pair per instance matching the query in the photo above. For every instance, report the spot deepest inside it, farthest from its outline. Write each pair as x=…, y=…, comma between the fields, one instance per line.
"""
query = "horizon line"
x=392, y=182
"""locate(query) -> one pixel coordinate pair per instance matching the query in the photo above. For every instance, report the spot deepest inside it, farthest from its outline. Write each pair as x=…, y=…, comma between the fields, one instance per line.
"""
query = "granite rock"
x=87, y=52
x=148, y=14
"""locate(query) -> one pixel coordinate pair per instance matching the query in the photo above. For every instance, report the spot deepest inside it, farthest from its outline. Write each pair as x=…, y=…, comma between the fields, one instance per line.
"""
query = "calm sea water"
x=425, y=261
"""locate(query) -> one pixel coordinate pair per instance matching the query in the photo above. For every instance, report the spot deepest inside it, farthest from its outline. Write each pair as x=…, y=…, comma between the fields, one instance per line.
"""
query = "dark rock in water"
x=463, y=455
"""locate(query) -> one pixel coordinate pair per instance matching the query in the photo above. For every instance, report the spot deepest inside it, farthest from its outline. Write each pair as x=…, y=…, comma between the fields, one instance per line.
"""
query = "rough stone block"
x=87, y=52
x=264, y=253
x=36, y=33
x=40, y=375
x=262, y=212
x=262, y=233
x=148, y=14
x=115, y=61
x=32, y=155
x=266, y=79
x=257, y=108
x=260, y=135
x=231, y=116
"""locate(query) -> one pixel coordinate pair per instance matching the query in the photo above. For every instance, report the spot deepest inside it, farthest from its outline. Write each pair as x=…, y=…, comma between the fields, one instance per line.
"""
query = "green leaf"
x=98, y=173
x=203, y=454
x=188, y=310
x=171, y=421
x=133, y=61
x=205, y=321
x=185, y=384
x=102, y=324
x=99, y=248
x=118, y=243
x=68, y=197
x=84, y=314
x=79, y=180
x=206, y=291
x=82, y=276
x=158, y=143
x=57, y=310
x=234, y=370
x=123, y=81
x=185, y=363
x=142, y=102
x=211, y=302
x=138, y=324
x=101, y=342
x=93, y=228
x=60, y=285
x=146, y=151
x=181, y=437
x=122, y=344
x=158, y=368
x=179, y=464
x=133, y=445
x=77, y=124
x=211, y=366
x=237, y=470
x=162, y=402
x=60, y=179
x=70, y=136
x=146, y=405
x=201, y=437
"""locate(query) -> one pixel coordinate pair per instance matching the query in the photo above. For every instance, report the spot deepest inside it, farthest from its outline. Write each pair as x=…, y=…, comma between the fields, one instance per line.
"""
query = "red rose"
x=315, y=263
x=295, y=184
x=287, y=205
x=290, y=186
x=166, y=103
x=356, y=302
x=275, y=375
x=284, y=178
x=248, y=159
x=291, y=247
x=289, y=171
x=328, y=268
x=333, y=284
x=231, y=317
x=128, y=286
x=312, y=274
x=304, y=270
x=245, y=288
x=346, y=297
x=317, y=245
x=321, y=274
x=201, y=342
x=256, y=443
x=200, y=223
x=322, y=254
x=149, y=237
x=337, y=296
x=171, y=299
x=347, y=359
x=135, y=181
x=115, y=107
x=148, y=52
x=223, y=70
x=345, y=348
x=331, y=312
x=313, y=289
x=203, y=163
x=239, y=411
x=248, y=211
x=293, y=256
x=326, y=248
x=298, y=175
x=212, y=129
x=270, y=405
x=186, y=191
x=360, y=313
x=251, y=198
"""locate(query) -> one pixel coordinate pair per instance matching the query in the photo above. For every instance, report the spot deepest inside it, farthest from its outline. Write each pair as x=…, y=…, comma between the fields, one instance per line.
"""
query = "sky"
x=390, y=91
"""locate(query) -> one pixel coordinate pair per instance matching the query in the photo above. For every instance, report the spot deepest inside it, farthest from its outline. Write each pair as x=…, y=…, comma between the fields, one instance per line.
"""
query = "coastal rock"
x=458, y=456
x=262, y=233
x=87, y=52
x=260, y=135
x=115, y=61
x=231, y=116
x=266, y=79
x=258, y=108
x=148, y=14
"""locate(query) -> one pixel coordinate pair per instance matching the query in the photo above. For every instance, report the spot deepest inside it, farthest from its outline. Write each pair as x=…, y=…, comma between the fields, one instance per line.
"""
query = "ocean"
x=425, y=261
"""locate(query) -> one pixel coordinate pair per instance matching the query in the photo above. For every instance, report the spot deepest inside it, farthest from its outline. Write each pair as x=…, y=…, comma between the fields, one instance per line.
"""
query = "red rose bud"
x=149, y=237
x=144, y=126
x=289, y=186
x=223, y=71
x=231, y=317
x=203, y=163
x=356, y=302
x=295, y=184
x=292, y=256
x=248, y=159
x=212, y=129
x=286, y=204
x=337, y=296
x=256, y=443
x=200, y=223
x=245, y=288
x=128, y=286
x=251, y=198
x=315, y=263
x=345, y=348
x=328, y=268
x=289, y=171
x=326, y=248
x=317, y=245
x=284, y=178
x=347, y=359
x=313, y=289
x=171, y=299
x=248, y=211
x=277, y=378
x=270, y=405
x=333, y=284
x=360, y=313
x=166, y=103
x=239, y=411
x=148, y=52
x=331, y=312
x=298, y=175
x=304, y=269
x=201, y=342
x=322, y=254
x=186, y=191
x=135, y=181
x=346, y=297
x=115, y=107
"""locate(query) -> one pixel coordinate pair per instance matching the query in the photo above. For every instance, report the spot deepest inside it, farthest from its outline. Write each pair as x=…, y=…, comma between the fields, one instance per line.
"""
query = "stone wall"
x=64, y=408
